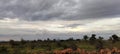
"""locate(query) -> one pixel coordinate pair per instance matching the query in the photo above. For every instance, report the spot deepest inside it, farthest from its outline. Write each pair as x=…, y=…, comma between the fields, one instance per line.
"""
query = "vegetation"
x=40, y=46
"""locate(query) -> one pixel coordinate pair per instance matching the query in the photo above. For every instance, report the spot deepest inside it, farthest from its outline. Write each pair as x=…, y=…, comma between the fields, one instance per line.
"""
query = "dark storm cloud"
x=59, y=9
x=101, y=8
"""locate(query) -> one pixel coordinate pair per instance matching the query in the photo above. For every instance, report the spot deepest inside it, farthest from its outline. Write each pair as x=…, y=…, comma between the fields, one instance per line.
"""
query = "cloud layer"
x=59, y=9
x=57, y=18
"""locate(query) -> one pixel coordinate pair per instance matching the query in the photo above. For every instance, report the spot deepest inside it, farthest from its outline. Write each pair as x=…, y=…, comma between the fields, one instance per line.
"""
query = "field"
x=87, y=44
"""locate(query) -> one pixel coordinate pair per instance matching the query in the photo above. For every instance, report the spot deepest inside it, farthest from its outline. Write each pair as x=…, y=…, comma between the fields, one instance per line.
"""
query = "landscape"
x=59, y=26
x=87, y=45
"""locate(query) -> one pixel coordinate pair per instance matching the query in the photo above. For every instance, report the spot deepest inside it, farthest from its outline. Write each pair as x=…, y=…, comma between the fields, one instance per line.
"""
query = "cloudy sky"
x=60, y=19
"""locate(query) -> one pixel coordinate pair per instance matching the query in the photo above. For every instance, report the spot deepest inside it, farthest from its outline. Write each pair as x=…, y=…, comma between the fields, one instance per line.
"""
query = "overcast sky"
x=60, y=19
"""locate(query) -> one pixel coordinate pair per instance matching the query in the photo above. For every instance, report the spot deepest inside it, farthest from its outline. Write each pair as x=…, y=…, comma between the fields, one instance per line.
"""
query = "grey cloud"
x=102, y=8
x=48, y=9
x=73, y=25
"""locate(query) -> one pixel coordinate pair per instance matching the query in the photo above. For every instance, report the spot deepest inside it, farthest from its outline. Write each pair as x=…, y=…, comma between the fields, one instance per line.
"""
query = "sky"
x=58, y=19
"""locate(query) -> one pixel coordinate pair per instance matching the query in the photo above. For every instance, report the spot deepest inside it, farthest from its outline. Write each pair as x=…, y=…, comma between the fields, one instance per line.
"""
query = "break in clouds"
x=60, y=19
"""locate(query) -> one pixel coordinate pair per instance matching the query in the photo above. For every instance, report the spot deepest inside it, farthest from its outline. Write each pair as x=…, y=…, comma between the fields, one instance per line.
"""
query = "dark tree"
x=92, y=39
x=78, y=40
x=85, y=37
x=39, y=40
x=115, y=38
x=100, y=38
x=23, y=41
x=70, y=39
x=48, y=39
x=12, y=43
x=54, y=40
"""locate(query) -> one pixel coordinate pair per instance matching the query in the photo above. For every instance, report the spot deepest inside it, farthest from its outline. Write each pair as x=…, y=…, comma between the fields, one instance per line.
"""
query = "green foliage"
x=3, y=50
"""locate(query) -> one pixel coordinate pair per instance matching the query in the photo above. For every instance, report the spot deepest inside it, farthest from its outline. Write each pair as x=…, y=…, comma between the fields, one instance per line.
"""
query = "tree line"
x=34, y=46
